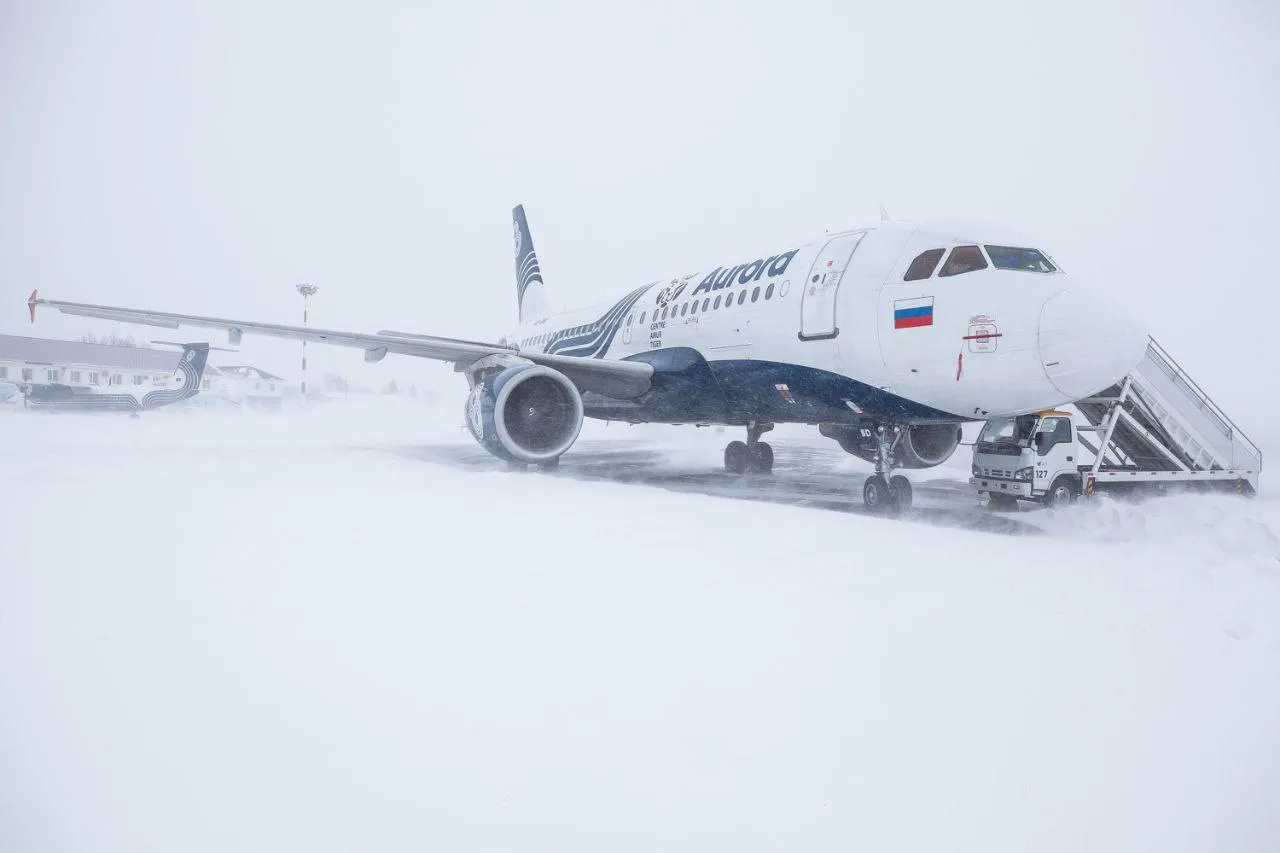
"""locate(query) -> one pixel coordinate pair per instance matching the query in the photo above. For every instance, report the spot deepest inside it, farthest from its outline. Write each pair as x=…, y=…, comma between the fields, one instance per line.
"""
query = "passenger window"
x=684, y=309
x=963, y=259
x=642, y=313
x=742, y=297
x=706, y=302
x=755, y=294
x=924, y=265
x=717, y=305
x=768, y=292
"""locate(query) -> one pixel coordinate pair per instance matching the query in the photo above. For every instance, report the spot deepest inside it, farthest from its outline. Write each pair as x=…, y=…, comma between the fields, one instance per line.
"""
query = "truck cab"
x=1029, y=457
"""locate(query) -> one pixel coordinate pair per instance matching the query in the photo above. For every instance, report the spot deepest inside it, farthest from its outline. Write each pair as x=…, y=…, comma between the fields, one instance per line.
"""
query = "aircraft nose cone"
x=1087, y=346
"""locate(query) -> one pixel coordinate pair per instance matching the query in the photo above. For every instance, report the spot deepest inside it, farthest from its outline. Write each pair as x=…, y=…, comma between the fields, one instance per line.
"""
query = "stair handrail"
x=1204, y=398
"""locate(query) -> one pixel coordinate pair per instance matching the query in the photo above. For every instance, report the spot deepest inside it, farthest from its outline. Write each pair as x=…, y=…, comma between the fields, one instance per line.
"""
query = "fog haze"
x=207, y=159
x=349, y=628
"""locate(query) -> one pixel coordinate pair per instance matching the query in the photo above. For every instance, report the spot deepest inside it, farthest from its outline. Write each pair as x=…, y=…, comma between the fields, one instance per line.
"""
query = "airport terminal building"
x=45, y=361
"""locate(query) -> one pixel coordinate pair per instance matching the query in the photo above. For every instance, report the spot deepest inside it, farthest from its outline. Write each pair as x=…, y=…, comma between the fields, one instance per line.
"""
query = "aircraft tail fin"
x=531, y=293
x=191, y=366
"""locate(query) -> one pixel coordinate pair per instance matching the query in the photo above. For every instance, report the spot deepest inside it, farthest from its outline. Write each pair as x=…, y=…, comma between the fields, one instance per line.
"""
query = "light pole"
x=307, y=291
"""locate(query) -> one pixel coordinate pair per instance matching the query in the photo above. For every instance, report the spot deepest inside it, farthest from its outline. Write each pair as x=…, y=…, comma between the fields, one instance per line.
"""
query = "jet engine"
x=921, y=445
x=524, y=412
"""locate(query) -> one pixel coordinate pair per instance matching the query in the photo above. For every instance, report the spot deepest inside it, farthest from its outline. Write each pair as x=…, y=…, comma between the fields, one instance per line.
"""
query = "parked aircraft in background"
x=186, y=383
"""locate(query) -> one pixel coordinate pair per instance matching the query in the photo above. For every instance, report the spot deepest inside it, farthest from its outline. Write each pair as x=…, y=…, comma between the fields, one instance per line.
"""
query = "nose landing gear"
x=885, y=491
x=752, y=455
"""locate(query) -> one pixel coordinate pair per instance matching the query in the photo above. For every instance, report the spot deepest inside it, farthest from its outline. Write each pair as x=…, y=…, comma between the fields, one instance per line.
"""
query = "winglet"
x=884, y=214
x=32, y=302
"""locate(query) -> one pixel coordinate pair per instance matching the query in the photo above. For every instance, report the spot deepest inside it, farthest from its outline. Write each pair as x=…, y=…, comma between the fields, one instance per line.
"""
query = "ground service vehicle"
x=1152, y=431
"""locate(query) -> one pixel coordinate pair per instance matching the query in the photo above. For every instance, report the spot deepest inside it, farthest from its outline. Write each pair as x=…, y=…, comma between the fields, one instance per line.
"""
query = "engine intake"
x=922, y=446
x=524, y=413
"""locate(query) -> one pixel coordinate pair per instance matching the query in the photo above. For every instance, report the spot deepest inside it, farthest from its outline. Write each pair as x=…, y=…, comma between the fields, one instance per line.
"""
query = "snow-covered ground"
x=313, y=631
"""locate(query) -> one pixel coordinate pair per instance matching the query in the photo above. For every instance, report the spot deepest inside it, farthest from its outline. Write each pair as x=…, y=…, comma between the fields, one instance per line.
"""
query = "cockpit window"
x=964, y=259
x=1010, y=258
x=924, y=265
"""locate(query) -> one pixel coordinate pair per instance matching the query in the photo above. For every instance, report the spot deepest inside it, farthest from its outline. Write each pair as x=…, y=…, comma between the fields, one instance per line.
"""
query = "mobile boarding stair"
x=1157, y=427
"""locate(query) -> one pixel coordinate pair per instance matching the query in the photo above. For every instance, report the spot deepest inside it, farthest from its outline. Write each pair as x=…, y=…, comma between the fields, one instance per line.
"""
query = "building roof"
x=246, y=371
x=55, y=352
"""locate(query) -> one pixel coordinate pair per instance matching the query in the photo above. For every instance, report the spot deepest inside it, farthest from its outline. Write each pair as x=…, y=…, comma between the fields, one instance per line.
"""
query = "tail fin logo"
x=531, y=301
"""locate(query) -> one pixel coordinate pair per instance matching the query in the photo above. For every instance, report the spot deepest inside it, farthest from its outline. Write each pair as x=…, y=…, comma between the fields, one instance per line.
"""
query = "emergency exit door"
x=818, y=304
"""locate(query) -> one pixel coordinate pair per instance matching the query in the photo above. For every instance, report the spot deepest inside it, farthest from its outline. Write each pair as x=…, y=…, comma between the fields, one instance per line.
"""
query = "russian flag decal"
x=911, y=313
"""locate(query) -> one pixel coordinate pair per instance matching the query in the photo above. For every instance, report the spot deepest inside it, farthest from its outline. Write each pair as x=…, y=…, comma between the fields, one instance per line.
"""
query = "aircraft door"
x=818, y=303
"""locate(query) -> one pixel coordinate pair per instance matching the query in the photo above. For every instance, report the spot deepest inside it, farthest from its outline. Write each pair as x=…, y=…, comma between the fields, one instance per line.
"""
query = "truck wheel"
x=1062, y=492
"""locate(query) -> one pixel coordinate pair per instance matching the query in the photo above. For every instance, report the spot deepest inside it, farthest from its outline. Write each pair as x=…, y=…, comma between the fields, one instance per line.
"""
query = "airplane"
x=887, y=337
x=59, y=397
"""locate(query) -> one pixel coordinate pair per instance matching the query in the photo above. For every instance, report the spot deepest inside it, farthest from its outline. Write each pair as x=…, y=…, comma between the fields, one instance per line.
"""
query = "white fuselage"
x=972, y=345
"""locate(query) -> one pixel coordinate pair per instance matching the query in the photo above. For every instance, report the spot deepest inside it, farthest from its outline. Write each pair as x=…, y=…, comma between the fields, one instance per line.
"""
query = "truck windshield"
x=1016, y=431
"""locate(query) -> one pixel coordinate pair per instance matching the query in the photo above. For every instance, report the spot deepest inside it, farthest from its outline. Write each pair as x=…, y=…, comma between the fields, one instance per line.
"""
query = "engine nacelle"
x=922, y=445
x=524, y=412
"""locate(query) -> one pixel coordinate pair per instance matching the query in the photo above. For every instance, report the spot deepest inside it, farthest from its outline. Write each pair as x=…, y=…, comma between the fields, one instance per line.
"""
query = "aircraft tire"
x=761, y=458
x=900, y=488
x=737, y=458
x=877, y=496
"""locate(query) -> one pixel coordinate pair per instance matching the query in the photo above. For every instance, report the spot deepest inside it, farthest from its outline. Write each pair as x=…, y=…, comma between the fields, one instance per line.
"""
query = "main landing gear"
x=885, y=491
x=752, y=455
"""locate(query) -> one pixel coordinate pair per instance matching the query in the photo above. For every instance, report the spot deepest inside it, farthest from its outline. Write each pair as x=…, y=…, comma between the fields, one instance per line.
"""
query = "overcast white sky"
x=207, y=157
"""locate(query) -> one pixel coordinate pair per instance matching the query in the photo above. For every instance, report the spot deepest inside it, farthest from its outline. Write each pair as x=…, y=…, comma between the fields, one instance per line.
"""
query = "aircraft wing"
x=623, y=379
